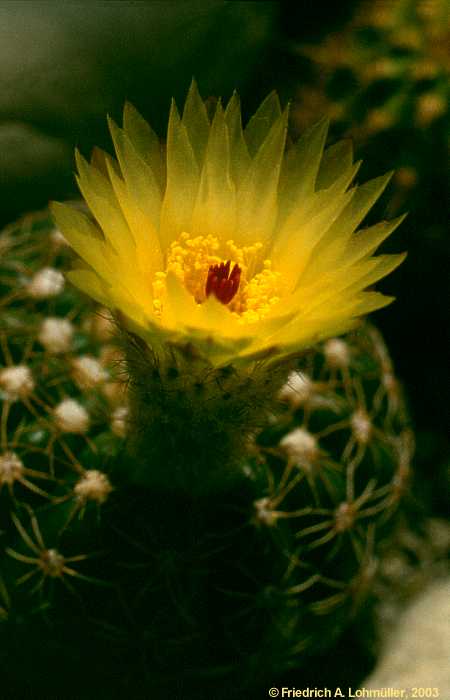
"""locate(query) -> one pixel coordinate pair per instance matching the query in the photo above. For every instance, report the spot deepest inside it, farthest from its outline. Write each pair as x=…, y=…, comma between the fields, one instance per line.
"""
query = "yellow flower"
x=223, y=240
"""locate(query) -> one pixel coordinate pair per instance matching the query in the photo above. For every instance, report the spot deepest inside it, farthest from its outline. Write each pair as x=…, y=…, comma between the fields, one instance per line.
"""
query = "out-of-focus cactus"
x=383, y=79
x=385, y=73
x=196, y=594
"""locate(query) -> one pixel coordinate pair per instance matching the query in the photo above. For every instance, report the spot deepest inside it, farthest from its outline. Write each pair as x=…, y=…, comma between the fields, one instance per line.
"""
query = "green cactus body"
x=129, y=566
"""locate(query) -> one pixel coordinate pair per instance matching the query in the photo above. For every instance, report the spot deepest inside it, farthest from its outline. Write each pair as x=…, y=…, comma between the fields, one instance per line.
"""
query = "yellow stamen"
x=190, y=259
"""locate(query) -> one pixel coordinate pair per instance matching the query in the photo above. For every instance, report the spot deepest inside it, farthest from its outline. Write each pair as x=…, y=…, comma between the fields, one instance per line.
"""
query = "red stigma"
x=223, y=283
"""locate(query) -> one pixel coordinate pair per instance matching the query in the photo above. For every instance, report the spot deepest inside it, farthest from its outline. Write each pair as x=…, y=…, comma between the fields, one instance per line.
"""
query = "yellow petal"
x=257, y=197
x=111, y=294
x=301, y=165
x=144, y=140
x=98, y=160
x=99, y=196
x=215, y=208
x=364, y=198
x=90, y=283
x=293, y=248
x=302, y=332
x=338, y=289
x=261, y=123
x=148, y=248
x=179, y=305
x=182, y=182
x=265, y=329
x=311, y=209
x=371, y=301
x=384, y=265
x=239, y=156
x=196, y=122
x=331, y=246
x=336, y=159
x=140, y=180
x=214, y=317
x=85, y=238
x=366, y=241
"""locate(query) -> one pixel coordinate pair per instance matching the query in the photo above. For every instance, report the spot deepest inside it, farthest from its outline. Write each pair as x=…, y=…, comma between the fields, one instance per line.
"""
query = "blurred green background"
x=378, y=69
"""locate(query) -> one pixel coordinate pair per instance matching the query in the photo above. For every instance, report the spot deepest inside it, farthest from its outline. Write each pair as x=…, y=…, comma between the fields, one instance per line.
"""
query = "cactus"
x=190, y=591
x=383, y=80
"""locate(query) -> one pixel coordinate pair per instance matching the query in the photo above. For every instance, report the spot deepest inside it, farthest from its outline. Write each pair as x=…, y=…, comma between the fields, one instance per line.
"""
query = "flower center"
x=246, y=283
x=221, y=282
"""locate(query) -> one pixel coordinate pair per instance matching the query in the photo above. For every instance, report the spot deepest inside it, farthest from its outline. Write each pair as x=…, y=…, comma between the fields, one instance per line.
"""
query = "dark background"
x=63, y=66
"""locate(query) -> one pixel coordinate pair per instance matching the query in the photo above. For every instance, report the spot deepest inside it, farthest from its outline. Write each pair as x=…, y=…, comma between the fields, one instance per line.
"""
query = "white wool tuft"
x=71, y=417
x=88, y=372
x=337, y=353
x=264, y=512
x=301, y=446
x=297, y=390
x=17, y=382
x=56, y=335
x=11, y=468
x=361, y=426
x=119, y=421
x=46, y=283
x=93, y=486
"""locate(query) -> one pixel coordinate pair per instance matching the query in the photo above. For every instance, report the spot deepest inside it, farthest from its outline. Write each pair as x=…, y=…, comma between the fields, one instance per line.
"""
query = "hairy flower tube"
x=225, y=241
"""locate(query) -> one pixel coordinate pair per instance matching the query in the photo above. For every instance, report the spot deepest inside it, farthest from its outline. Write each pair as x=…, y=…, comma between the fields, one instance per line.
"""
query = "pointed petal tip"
x=55, y=209
x=233, y=103
x=272, y=95
x=193, y=96
x=324, y=121
x=112, y=126
x=174, y=114
x=193, y=87
x=80, y=161
x=396, y=221
x=128, y=110
x=387, y=176
x=129, y=106
x=321, y=127
x=381, y=302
